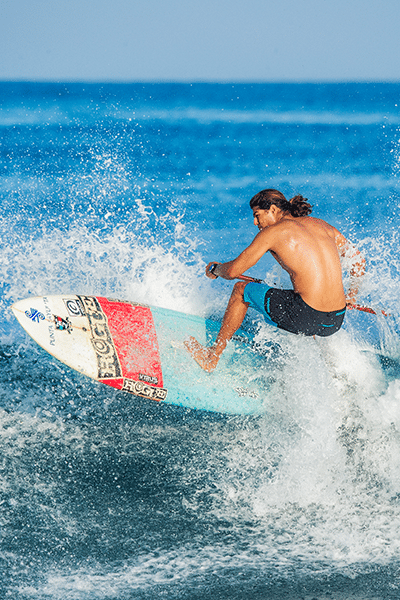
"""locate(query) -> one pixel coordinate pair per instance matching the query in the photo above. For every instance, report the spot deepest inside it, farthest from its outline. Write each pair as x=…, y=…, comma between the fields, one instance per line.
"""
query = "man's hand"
x=209, y=268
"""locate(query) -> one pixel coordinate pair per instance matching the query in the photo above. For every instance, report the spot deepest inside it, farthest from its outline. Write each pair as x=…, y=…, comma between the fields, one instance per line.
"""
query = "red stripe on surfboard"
x=134, y=335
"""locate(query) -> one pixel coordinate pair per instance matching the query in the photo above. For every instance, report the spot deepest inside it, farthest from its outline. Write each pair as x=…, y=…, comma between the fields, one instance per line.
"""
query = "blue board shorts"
x=287, y=310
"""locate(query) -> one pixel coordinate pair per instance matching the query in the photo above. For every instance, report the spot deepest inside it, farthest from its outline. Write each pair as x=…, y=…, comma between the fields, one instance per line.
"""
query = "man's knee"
x=238, y=289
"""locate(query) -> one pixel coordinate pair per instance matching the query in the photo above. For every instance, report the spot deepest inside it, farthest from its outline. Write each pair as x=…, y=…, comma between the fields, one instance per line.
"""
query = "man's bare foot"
x=203, y=355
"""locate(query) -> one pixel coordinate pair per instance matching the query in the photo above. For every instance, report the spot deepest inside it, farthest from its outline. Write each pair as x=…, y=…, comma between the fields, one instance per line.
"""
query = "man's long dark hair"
x=297, y=206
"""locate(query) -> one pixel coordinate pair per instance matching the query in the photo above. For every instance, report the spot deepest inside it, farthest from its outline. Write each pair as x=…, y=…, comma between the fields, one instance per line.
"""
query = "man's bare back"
x=307, y=248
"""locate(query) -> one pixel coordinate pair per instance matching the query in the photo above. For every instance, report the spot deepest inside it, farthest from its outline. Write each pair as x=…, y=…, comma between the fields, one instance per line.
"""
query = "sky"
x=200, y=40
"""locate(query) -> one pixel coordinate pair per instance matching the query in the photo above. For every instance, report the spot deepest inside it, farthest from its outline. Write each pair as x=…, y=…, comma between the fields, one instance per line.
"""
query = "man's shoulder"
x=297, y=224
x=302, y=227
x=315, y=222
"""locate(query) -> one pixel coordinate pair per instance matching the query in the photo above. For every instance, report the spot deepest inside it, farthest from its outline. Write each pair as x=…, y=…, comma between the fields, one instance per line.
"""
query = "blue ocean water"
x=129, y=191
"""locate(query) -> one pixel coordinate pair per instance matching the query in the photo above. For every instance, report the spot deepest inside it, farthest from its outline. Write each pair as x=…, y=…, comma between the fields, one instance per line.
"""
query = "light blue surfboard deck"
x=139, y=349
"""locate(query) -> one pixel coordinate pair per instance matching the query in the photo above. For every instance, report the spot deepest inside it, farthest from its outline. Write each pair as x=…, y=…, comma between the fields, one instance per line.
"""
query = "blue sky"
x=200, y=40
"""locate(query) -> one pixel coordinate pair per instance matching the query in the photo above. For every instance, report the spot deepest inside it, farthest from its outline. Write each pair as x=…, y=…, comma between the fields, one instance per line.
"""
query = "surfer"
x=309, y=249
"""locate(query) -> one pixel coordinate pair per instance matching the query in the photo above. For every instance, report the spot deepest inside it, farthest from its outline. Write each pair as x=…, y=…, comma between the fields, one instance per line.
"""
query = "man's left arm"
x=357, y=269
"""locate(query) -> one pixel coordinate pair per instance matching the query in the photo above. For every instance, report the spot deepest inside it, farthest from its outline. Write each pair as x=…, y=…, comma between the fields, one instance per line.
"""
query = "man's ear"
x=274, y=210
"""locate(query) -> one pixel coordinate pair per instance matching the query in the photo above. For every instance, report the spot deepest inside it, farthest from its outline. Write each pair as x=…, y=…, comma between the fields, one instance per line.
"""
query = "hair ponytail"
x=297, y=206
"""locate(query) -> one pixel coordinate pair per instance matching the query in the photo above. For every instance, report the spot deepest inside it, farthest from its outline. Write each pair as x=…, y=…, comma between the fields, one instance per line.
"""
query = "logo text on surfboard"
x=148, y=378
x=34, y=315
x=74, y=307
x=103, y=345
x=139, y=388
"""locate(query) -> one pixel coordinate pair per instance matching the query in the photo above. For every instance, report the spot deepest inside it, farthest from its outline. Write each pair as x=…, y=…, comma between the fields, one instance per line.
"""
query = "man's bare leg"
x=208, y=357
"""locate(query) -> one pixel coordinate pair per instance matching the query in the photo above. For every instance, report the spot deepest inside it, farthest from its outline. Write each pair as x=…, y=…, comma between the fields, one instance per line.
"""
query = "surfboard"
x=139, y=349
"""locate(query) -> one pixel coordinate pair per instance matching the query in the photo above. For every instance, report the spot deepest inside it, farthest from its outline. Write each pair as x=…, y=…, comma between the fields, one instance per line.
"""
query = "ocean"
x=128, y=191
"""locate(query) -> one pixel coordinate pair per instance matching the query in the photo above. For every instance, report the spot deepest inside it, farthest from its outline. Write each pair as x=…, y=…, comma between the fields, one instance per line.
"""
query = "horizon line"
x=202, y=81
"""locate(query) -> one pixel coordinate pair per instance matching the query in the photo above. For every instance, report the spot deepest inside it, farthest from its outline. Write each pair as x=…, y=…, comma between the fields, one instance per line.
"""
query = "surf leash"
x=249, y=279
x=366, y=309
x=359, y=307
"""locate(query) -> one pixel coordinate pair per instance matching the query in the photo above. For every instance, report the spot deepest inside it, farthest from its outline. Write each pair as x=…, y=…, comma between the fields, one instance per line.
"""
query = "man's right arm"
x=247, y=259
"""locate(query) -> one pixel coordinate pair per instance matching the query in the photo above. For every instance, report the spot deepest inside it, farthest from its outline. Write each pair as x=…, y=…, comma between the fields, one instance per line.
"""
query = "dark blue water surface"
x=129, y=191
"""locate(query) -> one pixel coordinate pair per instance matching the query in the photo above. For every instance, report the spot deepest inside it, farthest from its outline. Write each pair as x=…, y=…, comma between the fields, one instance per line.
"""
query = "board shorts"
x=287, y=310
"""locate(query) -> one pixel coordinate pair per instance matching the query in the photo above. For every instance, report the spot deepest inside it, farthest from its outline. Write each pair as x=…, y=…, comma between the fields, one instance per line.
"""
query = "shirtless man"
x=309, y=250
